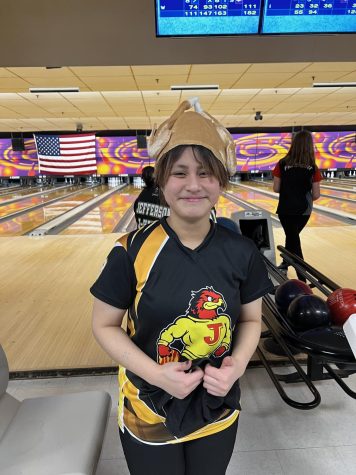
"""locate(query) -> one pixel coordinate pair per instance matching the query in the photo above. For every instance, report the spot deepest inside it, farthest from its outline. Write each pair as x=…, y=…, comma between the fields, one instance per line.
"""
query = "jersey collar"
x=189, y=251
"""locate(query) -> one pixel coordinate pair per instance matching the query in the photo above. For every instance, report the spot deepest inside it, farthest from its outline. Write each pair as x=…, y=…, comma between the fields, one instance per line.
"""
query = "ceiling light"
x=194, y=87
x=40, y=90
x=334, y=84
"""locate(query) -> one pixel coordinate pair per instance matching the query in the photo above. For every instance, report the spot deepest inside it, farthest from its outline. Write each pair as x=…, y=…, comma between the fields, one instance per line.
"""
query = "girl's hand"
x=173, y=378
x=218, y=381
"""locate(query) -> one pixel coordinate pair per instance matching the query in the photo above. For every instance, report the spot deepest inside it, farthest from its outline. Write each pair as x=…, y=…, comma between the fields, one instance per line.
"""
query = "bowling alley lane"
x=20, y=191
x=7, y=190
x=332, y=193
x=269, y=203
x=29, y=201
x=336, y=204
x=26, y=222
x=339, y=205
x=345, y=195
x=225, y=207
x=104, y=218
x=253, y=197
x=338, y=184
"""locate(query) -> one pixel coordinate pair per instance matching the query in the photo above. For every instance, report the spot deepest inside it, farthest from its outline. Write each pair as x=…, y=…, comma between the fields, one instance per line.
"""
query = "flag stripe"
x=59, y=164
x=68, y=153
x=66, y=160
x=65, y=146
x=78, y=138
x=68, y=170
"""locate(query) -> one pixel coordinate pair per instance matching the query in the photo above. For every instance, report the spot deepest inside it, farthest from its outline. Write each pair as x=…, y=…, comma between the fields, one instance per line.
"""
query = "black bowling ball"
x=288, y=291
x=308, y=311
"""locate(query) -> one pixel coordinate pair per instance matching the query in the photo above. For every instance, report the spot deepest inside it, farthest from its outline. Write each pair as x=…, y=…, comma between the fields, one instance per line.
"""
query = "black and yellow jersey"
x=183, y=304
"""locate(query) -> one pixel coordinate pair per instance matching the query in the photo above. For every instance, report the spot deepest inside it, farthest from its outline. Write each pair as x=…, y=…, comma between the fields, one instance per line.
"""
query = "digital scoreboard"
x=243, y=17
x=207, y=17
x=309, y=16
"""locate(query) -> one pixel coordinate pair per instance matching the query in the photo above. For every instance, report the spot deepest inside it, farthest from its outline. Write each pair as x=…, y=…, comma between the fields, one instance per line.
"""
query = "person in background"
x=193, y=291
x=297, y=180
x=147, y=206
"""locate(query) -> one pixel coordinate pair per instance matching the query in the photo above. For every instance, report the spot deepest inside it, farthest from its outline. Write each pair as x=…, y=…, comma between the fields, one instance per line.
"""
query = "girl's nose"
x=193, y=182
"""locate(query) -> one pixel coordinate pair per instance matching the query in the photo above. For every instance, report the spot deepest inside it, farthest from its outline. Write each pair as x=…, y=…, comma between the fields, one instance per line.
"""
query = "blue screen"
x=207, y=17
x=309, y=16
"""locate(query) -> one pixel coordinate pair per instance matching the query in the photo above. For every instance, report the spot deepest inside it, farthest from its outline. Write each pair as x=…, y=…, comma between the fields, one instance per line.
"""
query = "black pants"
x=293, y=226
x=208, y=455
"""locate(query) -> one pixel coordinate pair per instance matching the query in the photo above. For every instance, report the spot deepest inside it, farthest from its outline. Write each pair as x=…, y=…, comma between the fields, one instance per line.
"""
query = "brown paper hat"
x=186, y=127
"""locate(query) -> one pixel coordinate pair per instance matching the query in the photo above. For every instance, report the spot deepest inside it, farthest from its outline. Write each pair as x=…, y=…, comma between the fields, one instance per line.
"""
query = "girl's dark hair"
x=147, y=176
x=211, y=164
x=301, y=152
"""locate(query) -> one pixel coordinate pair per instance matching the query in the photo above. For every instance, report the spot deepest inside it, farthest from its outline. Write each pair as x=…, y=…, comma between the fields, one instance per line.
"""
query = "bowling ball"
x=288, y=291
x=308, y=311
x=342, y=304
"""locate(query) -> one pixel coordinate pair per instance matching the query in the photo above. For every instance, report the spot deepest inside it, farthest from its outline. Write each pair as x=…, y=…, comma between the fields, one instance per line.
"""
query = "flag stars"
x=48, y=145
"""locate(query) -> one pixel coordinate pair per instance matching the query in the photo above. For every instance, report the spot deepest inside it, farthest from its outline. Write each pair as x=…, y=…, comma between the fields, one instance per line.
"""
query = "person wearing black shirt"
x=147, y=206
x=297, y=180
x=193, y=291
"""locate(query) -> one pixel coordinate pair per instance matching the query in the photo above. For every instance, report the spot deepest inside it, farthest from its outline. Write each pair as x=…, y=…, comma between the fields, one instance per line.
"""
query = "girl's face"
x=190, y=190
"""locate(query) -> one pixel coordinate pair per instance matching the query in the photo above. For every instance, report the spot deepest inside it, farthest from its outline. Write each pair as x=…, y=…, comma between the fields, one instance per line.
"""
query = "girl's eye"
x=178, y=174
x=204, y=173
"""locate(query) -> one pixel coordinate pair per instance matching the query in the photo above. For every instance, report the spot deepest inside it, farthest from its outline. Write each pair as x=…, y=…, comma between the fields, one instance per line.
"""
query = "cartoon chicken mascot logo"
x=203, y=331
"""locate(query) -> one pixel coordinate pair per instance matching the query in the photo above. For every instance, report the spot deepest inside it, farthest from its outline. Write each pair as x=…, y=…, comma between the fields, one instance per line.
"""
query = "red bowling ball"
x=342, y=304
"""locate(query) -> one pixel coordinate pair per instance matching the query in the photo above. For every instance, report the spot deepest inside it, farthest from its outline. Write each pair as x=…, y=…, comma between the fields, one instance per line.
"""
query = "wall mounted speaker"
x=141, y=141
x=18, y=144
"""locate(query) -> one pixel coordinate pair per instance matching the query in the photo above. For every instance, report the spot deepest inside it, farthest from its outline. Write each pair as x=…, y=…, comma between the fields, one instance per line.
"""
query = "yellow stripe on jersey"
x=123, y=240
x=130, y=326
x=210, y=429
x=146, y=257
x=142, y=411
x=122, y=379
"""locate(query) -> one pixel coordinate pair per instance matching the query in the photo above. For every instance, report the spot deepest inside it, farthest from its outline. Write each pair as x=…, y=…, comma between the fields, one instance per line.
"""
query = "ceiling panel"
x=165, y=70
x=107, y=71
x=136, y=97
x=277, y=68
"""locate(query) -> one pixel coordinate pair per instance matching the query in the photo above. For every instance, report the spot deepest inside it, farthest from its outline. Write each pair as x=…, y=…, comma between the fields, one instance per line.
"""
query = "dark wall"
x=122, y=32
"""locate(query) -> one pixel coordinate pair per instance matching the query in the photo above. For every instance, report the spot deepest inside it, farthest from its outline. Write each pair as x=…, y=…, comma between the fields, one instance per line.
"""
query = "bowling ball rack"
x=323, y=346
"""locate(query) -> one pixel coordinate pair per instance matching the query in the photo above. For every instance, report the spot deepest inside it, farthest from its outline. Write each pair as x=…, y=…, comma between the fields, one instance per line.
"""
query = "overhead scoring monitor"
x=207, y=17
x=309, y=16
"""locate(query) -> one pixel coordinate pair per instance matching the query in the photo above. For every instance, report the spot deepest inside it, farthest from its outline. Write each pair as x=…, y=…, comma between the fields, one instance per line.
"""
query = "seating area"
x=51, y=435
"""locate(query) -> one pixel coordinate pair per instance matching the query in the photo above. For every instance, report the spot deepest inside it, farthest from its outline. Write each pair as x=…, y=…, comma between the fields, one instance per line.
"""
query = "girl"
x=297, y=180
x=193, y=292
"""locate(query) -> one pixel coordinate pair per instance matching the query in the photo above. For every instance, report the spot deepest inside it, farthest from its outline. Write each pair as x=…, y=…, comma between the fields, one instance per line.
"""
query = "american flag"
x=66, y=154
